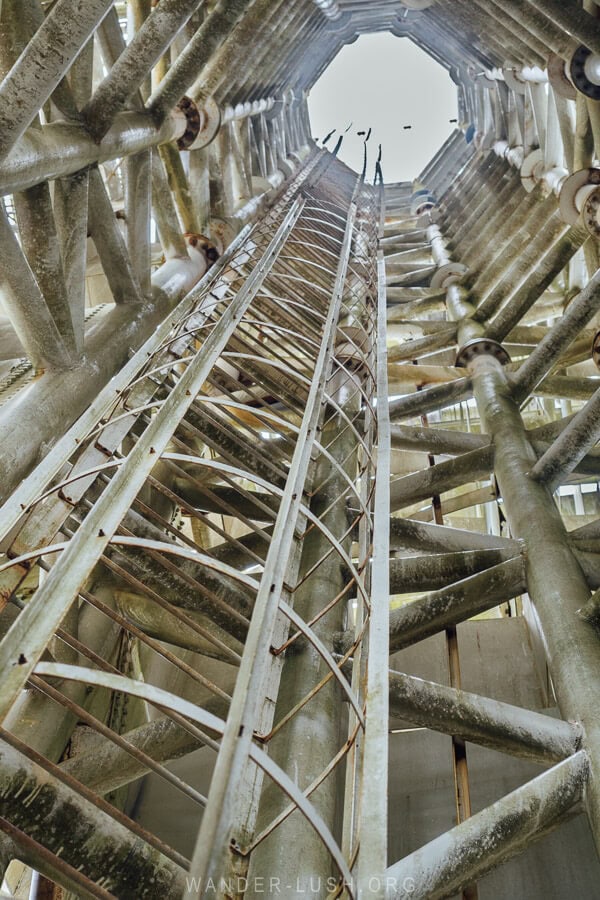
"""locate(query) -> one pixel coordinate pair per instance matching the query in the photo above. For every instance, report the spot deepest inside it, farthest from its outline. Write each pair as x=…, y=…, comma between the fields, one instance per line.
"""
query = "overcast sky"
x=385, y=83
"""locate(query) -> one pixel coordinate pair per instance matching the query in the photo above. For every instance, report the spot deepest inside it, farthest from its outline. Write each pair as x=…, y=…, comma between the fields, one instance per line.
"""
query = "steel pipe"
x=436, y=570
x=130, y=68
x=499, y=726
x=475, y=465
x=456, y=603
x=63, y=148
x=212, y=33
x=457, y=858
x=430, y=399
x=570, y=447
x=437, y=441
x=112, y=853
x=555, y=581
x=27, y=309
x=51, y=51
x=410, y=534
x=580, y=311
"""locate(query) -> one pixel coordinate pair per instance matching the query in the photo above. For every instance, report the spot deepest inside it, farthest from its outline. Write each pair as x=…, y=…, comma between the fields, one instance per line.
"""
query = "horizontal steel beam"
x=476, y=465
x=63, y=148
x=411, y=534
x=436, y=570
x=436, y=611
x=460, y=601
x=490, y=837
x=114, y=855
x=434, y=398
x=438, y=441
x=569, y=448
x=499, y=726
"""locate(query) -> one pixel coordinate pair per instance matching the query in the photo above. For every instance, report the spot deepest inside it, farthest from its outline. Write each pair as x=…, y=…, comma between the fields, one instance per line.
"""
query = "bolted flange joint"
x=590, y=213
x=450, y=273
x=575, y=191
x=481, y=347
x=584, y=71
x=203, y=123
x=558, y=78
x=192, y=118
x=421, y=201
x=596, y=350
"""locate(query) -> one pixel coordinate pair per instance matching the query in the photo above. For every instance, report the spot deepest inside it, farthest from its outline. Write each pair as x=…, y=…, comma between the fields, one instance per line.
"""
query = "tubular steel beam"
x=29, y=313
x=475, y=465
x=435, y=570
x=61, y=148
x=114, y=855
x=131, y=67
x=211, y=34
x=569, y=448
x=488, y=838
x=500, y=726
x=448, y=606
x=555, y=581
x=580, y=311
x=51, y=51
x=411, y=534
x=456, y=603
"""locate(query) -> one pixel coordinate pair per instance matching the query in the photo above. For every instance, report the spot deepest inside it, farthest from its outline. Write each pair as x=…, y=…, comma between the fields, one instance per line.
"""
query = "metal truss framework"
x=201, y=563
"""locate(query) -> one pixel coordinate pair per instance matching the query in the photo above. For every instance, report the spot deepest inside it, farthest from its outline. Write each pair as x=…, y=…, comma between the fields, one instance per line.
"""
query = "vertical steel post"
x=555, y=581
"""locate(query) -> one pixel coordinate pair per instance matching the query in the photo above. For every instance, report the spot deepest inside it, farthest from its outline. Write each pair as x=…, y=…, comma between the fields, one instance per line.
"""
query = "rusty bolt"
x=481, y=347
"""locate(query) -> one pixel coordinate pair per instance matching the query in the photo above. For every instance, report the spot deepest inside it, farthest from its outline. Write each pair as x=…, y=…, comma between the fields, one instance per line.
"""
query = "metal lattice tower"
x=301, y=514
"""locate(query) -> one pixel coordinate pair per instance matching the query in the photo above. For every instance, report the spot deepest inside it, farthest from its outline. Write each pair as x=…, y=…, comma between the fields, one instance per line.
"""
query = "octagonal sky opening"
x=390, y=85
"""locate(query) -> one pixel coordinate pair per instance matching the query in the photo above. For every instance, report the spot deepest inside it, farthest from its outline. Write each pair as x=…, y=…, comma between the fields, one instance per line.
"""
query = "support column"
x=555, y=581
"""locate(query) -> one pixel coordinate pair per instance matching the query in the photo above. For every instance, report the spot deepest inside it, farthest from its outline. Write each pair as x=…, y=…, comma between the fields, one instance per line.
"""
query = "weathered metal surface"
x=499, y=726
x=490, y=836
x=230, y=503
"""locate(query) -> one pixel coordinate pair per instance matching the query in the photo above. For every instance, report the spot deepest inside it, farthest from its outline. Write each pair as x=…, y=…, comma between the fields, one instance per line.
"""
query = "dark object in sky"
x=349, y=127
x=407, y=127
x=335, y=150
x=368, y=134
x=325, y=139
x=453, y=120
x=378, y=170
x=360, y=133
